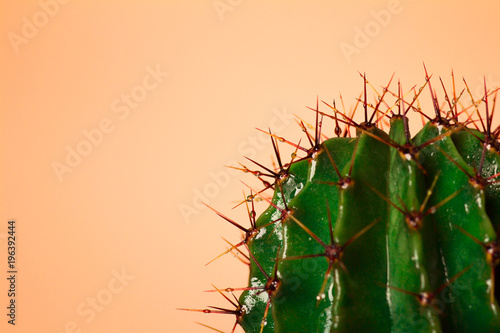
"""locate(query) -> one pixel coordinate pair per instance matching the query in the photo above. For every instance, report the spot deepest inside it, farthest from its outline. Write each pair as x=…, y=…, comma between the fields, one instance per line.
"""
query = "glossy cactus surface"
x=381, y=231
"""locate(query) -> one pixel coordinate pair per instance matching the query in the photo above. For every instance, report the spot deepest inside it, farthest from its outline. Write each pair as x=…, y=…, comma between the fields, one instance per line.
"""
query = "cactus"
x=378, y=232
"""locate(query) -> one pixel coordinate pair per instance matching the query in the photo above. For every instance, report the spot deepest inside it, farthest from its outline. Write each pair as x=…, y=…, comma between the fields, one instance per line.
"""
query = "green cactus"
x=379, y=232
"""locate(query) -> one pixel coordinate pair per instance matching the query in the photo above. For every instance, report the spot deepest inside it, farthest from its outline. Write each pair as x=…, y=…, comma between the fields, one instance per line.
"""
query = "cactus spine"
x=379, y=232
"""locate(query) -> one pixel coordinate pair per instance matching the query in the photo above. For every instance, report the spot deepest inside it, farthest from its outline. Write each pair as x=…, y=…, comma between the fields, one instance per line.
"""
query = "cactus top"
x=379, y=232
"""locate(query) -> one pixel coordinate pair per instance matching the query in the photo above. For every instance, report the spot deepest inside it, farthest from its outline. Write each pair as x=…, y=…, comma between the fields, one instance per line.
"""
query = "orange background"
x=67, y=69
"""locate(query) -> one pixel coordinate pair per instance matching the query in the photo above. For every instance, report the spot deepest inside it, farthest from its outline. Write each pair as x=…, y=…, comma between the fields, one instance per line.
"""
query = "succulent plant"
x=378, y=232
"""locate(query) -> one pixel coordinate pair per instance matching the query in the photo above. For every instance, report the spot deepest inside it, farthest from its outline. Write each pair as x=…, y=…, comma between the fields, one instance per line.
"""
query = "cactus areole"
x=377, y=231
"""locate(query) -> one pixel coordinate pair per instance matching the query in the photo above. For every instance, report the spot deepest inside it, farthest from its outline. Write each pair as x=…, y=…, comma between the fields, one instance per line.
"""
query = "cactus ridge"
x=378, y=231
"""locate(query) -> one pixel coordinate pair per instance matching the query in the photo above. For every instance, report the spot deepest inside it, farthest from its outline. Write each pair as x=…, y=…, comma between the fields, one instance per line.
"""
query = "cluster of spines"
x=338, y=182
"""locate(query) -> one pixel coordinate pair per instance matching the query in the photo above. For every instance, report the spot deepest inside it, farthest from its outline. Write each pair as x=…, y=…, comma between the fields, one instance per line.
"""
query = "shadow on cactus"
x=377, y=231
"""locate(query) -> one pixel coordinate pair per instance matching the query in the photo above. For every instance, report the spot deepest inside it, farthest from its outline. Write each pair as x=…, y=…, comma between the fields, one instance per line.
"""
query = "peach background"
x=119, y=208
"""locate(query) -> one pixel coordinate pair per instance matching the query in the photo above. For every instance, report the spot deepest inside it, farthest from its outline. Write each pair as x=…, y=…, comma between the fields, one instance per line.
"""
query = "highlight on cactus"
x=370, y=229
